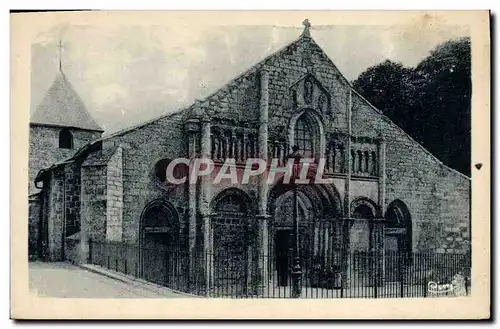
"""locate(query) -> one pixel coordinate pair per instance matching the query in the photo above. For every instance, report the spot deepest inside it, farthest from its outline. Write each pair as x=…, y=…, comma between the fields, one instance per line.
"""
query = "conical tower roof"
x=61, y=106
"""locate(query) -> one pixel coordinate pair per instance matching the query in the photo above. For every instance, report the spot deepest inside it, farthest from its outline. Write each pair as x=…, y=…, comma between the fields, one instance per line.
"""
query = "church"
x=387, y=193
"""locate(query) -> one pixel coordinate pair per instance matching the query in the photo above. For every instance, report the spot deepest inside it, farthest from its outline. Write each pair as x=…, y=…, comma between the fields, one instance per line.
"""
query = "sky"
x=129, y=74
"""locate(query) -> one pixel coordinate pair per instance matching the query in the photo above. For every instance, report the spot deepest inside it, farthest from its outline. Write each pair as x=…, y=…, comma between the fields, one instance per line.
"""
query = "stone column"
x=204, y=203
x=84, y=250
x=348, y=160
x=380, y=170
x=227, y=144
x=192, y=129
x=381, y=174
x=263, y=138
x=337, y=162
x=378, y=244
x=263, y=234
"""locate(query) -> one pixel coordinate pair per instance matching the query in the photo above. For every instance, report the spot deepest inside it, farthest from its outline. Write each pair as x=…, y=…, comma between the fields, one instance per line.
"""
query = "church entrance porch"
x=319, y=237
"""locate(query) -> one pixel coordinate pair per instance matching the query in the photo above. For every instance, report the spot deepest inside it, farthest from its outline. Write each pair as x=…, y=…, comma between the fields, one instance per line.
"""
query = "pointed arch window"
x=65, y=139
x=304, y=137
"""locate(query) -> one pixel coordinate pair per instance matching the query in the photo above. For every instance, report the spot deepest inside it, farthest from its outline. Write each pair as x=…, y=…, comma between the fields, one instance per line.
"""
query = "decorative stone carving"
x=308, y=90
x=323, y=104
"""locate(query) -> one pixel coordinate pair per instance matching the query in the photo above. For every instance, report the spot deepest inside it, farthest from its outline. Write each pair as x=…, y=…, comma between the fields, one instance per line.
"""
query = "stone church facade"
x=388, y=192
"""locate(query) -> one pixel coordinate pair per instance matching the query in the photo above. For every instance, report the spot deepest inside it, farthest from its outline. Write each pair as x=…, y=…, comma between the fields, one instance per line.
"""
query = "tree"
x=443, y=102
x=388, y=87
x=431, y=102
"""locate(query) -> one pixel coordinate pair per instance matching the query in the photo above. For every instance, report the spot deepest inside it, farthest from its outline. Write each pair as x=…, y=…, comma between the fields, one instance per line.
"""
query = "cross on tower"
x=60, y=55
x=307, y=27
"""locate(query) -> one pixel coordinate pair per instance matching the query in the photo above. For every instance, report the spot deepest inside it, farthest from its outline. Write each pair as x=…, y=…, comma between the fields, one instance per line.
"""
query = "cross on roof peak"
x=60, y=55
x=307, y=28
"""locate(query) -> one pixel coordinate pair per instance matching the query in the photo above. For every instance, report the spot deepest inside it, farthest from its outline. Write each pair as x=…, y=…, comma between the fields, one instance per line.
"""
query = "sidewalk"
x=161, y=291
x=64, y=280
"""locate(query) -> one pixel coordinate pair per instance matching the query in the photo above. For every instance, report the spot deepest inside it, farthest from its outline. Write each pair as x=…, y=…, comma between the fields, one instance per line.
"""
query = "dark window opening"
x=65, y=139
x=72, y=224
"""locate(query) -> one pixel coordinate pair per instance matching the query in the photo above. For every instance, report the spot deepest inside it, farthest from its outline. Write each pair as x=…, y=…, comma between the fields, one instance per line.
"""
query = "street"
x=68, y=281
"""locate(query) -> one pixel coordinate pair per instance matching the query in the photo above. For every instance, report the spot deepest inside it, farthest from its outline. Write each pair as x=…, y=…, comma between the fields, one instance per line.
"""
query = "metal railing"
x=232, y=274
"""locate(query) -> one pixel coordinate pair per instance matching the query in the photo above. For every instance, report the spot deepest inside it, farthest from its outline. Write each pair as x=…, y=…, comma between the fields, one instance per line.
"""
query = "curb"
x=136, y=282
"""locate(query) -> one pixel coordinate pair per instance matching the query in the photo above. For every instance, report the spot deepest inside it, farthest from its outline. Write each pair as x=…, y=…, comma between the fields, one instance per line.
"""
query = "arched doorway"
x=397, y=238
x=364, y=242
x=398, y=227
x=320, y=231
x=159, y=242
x=283, y=233
x=233, y=242
x=363, y=213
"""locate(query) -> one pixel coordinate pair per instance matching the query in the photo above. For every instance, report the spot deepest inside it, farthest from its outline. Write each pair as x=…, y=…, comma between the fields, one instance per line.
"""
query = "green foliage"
x=431, y=102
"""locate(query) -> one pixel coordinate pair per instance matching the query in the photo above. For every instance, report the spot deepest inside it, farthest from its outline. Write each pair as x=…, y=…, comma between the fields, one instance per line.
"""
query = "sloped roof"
x=61, y=106
x=100, y=158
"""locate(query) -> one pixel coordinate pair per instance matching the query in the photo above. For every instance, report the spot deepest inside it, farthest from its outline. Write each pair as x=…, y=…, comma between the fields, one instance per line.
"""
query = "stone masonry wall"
x=33, y=224
x=44, y=148
x=55, y=216
x=436, y=196
x=72, y=197
x=93, y=202
x=302, y=58
x=114, y=209
x=142, y=148
x=239, y=102
x=60, y=209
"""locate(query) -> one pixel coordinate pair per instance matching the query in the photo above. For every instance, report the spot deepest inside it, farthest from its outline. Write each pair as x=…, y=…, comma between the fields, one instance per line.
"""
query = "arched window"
x=65, y=139
x=304, y=137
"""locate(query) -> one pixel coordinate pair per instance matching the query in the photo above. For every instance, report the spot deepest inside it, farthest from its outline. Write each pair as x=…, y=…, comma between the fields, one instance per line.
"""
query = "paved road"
x=65, y=280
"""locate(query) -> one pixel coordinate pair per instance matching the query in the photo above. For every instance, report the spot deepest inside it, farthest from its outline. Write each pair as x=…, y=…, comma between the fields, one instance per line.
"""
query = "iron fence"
x=230, y=274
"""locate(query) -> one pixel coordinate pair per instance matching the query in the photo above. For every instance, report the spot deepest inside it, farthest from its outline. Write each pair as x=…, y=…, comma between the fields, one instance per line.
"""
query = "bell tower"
x=60, y=125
